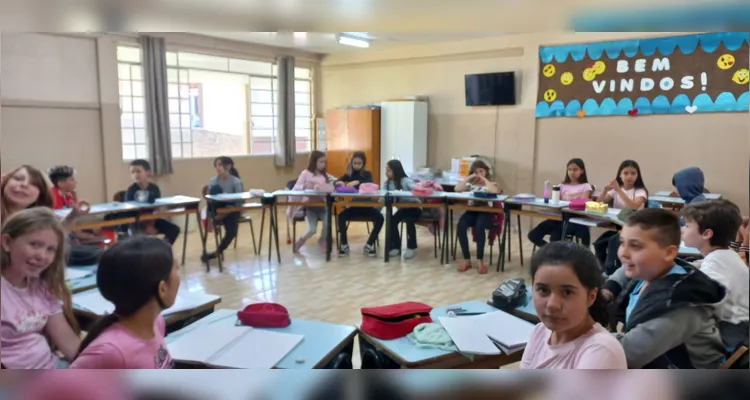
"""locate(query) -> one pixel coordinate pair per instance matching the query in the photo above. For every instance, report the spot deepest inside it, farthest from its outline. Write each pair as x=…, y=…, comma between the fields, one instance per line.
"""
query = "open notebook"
x=233, y=346
x=492, y=333
x=93, y=301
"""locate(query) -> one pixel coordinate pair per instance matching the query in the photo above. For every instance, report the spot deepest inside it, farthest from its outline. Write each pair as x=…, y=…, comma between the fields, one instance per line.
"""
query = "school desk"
x=322, y=344
x=174, y=321
x=165, y=207
x=84, y=283
x=459, y=201
x=539, y=209
x=401, y=353
x=250, y=202
x=294, y=199
x=677, y=203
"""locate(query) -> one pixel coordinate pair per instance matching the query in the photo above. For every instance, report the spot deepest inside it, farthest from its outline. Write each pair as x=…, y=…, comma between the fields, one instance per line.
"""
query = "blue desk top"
x=84, y=283
x=320, y=337
x=665, y=197
x=539, y=202
x=379, y=193
x=470, y=196
x=236, y=196
x=412, y=354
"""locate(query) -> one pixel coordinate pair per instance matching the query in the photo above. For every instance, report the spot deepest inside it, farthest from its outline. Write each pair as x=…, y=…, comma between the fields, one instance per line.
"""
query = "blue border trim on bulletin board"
x=725, y=102
x=666, y=19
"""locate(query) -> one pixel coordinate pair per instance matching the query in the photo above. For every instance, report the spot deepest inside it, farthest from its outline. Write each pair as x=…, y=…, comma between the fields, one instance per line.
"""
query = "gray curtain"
x=157, y=104
x=285, y=146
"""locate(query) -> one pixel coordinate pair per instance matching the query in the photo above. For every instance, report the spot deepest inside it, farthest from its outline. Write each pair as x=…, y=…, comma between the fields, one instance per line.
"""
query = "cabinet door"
x=363, y=128
x=337, y=141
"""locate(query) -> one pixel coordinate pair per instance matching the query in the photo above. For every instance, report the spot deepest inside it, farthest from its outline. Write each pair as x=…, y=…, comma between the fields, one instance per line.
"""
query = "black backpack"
x=510, y=295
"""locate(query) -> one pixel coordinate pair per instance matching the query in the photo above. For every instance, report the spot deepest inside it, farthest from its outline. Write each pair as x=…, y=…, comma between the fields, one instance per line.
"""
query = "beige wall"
x=60, y=105
x=527, y=150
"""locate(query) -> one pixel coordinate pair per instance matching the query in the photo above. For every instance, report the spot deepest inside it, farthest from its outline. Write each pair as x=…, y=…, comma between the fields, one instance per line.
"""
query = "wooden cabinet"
x=349, y=130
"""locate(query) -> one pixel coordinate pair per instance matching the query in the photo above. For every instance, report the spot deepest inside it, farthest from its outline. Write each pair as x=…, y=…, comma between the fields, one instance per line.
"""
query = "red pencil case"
x=578, y=204
x=265, y=315
x=395, y=320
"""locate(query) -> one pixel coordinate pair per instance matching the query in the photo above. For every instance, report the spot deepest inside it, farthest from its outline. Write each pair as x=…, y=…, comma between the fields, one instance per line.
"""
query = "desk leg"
x=503, y=247
x=262, y=227
x=565, y=217
x=276, y=232
x=271, y=224
x=204, y=235
x=388, y=238
x=329, y=230
x=444, y=253
x=184, y=237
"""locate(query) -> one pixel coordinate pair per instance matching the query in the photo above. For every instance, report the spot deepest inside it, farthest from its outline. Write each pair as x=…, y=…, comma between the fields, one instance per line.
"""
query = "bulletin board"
x=704, y=73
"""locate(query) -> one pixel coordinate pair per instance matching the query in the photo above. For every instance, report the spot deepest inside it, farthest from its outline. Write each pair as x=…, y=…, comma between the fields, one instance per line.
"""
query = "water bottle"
x=546, y=192
x=556, y=194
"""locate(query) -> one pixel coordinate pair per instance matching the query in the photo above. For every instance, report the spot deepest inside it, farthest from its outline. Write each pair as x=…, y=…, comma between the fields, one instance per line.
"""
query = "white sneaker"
x=370, y=251
x=408, y=254
x=394, y=252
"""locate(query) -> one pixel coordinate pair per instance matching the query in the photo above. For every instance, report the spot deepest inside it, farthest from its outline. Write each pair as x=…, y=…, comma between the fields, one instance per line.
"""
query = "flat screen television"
x=494, y=89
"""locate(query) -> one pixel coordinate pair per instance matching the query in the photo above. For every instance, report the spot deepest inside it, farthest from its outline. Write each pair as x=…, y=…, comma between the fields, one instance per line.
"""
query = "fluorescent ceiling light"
x=353, y=41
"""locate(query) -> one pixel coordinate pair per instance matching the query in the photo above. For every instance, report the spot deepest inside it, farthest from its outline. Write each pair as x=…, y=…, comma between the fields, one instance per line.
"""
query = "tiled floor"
x=335, y=291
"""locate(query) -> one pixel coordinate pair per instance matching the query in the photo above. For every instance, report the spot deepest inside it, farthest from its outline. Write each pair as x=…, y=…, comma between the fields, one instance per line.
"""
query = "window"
x=217, y=105
x=132, y=103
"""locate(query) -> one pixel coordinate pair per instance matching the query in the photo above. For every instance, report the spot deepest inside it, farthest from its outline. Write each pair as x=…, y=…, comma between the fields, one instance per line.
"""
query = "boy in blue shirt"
x=668, y=309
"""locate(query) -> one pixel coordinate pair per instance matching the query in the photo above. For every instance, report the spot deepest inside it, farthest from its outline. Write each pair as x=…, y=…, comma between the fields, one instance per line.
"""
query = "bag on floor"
x=264, y=315
x=510, y=295
x=395, y=320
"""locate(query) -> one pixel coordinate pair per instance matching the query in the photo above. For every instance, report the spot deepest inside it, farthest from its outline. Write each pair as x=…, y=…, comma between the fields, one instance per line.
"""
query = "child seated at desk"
x=36, y=304
x=575, y=186
x=398, y=180
x=689, y=185
x=710, y=227
x=64, y=186
x=741, y=243
x=356, y=174
x=315, y=174
x=668, y=309
x=140, y=276
x=145, y=191
x=227, y=180
x=566, y=281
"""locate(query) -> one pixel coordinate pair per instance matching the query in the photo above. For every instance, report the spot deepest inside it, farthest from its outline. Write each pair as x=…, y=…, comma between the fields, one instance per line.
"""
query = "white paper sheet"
x=76, y=273
x=257, y=349
x=468, y=336
x=93, y=301
x=508, y=330
x=204, y=342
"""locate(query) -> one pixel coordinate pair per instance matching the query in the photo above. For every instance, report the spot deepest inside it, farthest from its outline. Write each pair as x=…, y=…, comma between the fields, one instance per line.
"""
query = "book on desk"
x=233, y=346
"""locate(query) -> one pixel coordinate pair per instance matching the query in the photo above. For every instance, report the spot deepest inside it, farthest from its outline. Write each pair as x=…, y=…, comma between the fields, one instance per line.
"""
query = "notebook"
x=77, y=273
x=233, y=346
x=93, y=301
x=491, y=333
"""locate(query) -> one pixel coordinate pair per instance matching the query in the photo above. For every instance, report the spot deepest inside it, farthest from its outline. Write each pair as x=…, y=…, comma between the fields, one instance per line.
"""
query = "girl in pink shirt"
x=314, y=175
x=140, y=276
x=566, y=282
x=575, y=186
x=35, y=302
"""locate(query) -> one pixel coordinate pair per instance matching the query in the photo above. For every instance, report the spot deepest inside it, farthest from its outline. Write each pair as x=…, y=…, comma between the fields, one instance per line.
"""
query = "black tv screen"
x=495, y=89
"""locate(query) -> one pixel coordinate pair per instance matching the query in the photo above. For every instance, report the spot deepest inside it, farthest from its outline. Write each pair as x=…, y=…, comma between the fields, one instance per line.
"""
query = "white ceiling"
x=320, y=42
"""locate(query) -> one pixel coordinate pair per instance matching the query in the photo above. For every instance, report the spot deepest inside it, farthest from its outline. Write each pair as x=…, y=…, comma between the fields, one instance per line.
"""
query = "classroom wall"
x=60, y=104
x=527, y=150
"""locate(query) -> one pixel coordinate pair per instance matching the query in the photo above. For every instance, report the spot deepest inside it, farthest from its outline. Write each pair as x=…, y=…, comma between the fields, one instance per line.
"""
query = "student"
x=314, y=175
x=741, y=243
x=575, y=186
x=63, y=186
x=625, y=191
x=36, y=303
x=397, y=180
x=140, y=276
x=689, y=184
x=227, y=180
x=477, y=181
x=668, y=309
x=710, y=227
x=144, y=191
x=566, y=281
x=356, y=174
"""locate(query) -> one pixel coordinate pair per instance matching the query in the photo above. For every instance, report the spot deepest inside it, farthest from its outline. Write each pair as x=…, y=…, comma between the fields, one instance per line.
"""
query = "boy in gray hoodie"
x=667, y=309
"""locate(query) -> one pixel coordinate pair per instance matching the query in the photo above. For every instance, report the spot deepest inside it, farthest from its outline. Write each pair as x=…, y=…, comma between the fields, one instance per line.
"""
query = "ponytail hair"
x=128, y=276
x=586, y=267
x=227, y=162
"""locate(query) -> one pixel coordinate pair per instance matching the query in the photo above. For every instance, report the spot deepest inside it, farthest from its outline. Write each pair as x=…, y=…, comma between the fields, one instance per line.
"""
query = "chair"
x=740, y=359
x=428, y=220
x=218, y=224
x=298, y=217
x=349, y=221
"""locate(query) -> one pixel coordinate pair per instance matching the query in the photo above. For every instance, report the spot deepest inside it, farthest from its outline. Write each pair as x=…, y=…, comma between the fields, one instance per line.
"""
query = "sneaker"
x=408, y=254
x=394, y=252
x=344, y=251
x=209, y=256
x=298, y=245
x=370, y=250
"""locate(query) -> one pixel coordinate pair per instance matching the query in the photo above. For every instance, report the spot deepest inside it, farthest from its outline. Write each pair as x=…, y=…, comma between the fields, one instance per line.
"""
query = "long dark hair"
x=584, y=264
x=398, y=173
x=36, y=178
x=638, y=181
x=128, y=276
x=579, y=163
x=357, y=154
x=227, y=162
x=312, y=163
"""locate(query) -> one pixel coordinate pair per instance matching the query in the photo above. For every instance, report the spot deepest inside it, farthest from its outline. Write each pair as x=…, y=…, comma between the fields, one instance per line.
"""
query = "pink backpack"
x=369, y=188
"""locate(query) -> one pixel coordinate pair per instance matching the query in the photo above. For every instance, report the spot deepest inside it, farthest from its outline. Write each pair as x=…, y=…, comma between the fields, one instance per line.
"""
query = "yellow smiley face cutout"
x=726, y=61
x=599, y=67
x=548, y=70
x=566, y=78
x=589, y=74
x=741, y=77
x=550, y=95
